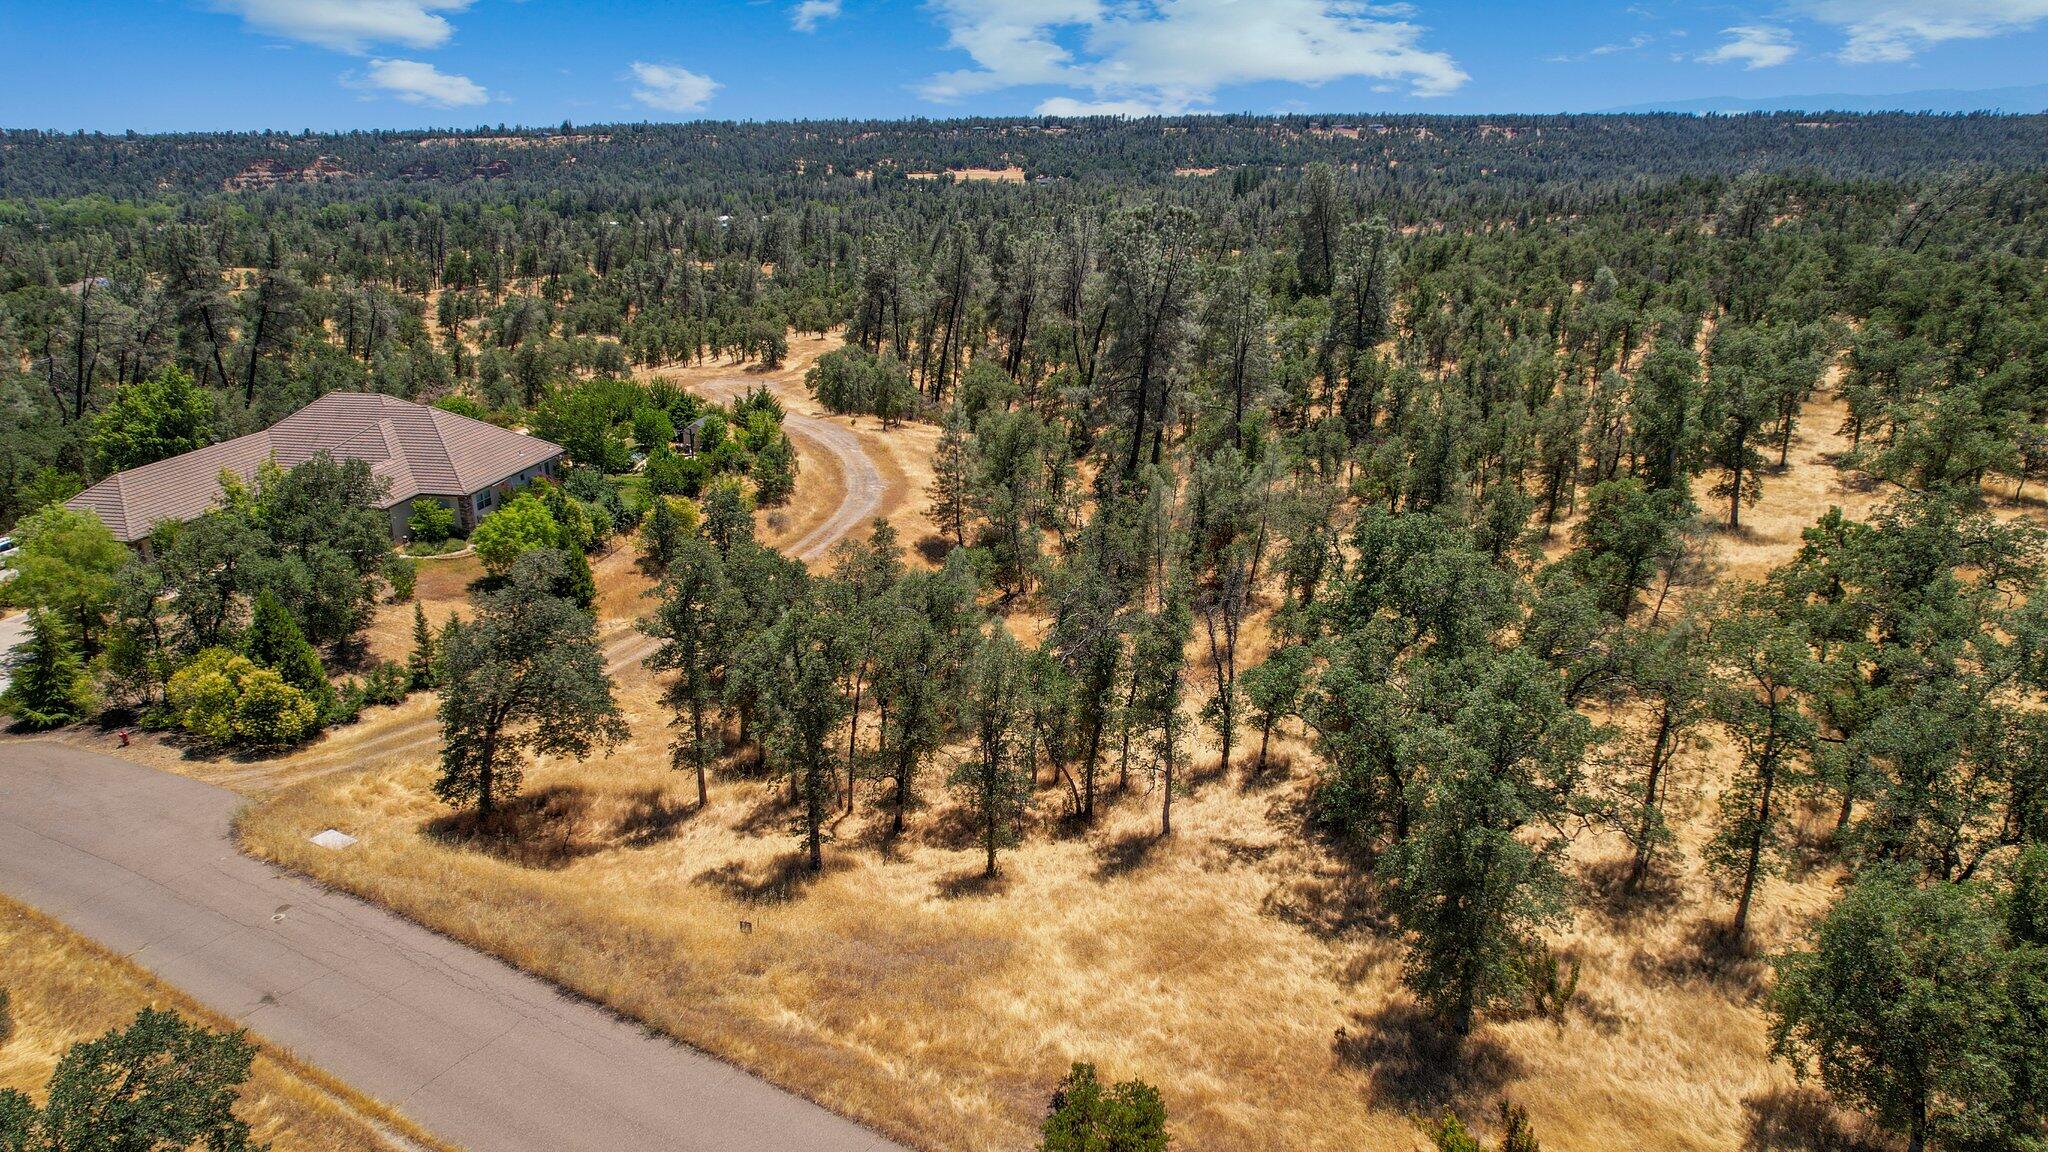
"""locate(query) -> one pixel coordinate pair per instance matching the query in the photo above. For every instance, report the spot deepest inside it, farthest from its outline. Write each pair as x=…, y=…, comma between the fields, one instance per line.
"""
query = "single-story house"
x=467, y=465
x=692, y=435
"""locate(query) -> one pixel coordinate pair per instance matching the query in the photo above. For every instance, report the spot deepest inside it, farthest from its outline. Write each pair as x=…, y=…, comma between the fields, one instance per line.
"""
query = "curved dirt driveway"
x=864, y=483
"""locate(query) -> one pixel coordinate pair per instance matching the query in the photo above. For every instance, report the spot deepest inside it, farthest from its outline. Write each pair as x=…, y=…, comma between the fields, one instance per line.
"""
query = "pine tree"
x=275, y=642
x=953, y=477
x=49, y=686
x=419, y=667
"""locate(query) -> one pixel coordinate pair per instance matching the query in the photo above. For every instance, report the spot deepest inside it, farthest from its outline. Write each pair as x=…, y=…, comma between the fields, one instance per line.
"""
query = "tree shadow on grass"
x=1417, y=1067
x=780, y=881
x=545, y=828
x=1711, y=953
x=1127, y=854
x=1609, y=896
x=972, y=883
x=1801, y=1119
x=553, y=827
x=649, y=817
x=1277, y=770
x=771, y=813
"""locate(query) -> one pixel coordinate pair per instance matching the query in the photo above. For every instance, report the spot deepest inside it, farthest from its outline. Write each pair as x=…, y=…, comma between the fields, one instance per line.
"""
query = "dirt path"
x=861, y=485
x=851, y=469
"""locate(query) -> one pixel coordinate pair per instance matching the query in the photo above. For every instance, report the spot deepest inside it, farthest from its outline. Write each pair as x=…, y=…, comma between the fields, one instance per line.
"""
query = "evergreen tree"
x=1273, y=691
x=1736, y=404
x=1763, y=663
x=728, y=515
x=275, y=642
x=774, y=471
x=953, y=470
x=798, y=668
x=49, y=686
x=1904, y=1001
x=159, y=1083
x=419, y=666
x=662, y=538
x=1478, y=876
x=1668, y=673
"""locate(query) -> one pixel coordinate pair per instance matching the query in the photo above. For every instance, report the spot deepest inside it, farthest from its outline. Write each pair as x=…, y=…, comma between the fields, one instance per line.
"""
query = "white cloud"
x=1068, y=106
x=350, y=25
x=1632, y=44
x=1888, y=31
x=418, y=83
x=1170, y=56
x=808, y=15
x=1753, y=46
x=672, y=89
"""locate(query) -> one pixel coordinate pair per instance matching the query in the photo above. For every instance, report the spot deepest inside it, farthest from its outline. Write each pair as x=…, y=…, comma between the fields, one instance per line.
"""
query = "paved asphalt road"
x=478, y=1053
x=13, y=630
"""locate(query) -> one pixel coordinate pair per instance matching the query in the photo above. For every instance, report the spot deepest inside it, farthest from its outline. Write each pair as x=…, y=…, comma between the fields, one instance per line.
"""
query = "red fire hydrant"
x=123, y=734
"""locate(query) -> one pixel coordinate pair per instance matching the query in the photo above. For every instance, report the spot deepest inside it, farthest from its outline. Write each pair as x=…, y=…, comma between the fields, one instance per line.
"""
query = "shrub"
x=463, y=406
x=521, y=525
x=431, y=521
x=1085, y=1117
x=671, y=474
x=270, y=712
x=201, y=697
x=403, y=575
x=386, y=684
x=223, y=697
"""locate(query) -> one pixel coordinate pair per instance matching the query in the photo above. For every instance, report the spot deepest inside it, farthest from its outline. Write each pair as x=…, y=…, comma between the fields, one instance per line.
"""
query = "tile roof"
x=421, y=451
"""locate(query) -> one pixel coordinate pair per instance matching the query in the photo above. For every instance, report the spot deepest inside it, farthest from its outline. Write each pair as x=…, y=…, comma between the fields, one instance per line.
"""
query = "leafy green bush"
x=200, y=698
x=521, y=525
x=223, y=697
x=1086, y=1117
x=270, y=712
x=430, y=520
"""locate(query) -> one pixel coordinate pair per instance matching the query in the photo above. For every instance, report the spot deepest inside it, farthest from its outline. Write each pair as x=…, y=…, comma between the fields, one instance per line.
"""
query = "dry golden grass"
x=1238, y=966
x=65, y=988
x=1010, y=175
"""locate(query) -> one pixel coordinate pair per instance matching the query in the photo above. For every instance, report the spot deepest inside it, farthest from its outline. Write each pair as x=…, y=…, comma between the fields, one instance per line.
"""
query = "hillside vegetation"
x=1429, y=613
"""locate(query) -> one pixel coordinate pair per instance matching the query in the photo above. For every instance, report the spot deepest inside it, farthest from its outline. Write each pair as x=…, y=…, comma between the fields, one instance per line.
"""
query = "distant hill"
x=2026, y=98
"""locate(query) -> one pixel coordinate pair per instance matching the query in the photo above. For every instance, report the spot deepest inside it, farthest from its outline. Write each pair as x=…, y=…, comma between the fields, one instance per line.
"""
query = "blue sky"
x=158, y=65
